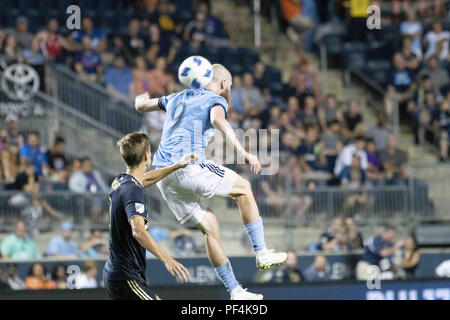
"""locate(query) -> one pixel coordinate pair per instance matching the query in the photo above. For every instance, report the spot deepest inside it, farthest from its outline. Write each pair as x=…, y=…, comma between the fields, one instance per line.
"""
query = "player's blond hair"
x=133, y=148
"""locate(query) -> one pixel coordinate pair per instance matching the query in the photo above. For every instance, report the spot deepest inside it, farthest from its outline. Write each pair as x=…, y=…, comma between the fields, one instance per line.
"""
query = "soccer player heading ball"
x=192, y=116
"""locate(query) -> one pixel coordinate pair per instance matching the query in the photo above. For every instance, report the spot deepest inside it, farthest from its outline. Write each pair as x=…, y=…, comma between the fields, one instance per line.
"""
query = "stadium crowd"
x=324, y=141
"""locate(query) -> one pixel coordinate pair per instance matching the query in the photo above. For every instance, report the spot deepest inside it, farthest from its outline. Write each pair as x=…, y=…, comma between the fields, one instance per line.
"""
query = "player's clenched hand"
x=187, y=158
x=140, y=101
x=255, y=164
x=177, y=270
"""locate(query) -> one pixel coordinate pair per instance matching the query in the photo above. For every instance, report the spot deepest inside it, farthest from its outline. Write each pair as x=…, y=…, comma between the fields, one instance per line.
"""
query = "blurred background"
x=363, y=118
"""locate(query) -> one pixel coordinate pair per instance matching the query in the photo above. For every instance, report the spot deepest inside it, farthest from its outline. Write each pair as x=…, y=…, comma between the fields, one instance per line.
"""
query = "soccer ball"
x=195, y=72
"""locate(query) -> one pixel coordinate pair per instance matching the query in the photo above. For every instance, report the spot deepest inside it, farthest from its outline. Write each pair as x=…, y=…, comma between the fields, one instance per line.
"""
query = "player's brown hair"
x=133, y=148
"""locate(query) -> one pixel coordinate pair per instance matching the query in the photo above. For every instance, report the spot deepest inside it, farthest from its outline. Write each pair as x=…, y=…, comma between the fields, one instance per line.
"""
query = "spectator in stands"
x=298, y=22
x=374, y=166
x=238, y=98
x=12, y=128
x=353, y=176
x=289, y=272
x=10, y=161
x=309, y=115
x=87, y=61
x=119, y=79
x=213, y=25
x=394, y=160
x=377, y=248
x=401, y=86
x=34, y=57
x=13, y=278
x=357, y=26
x=87, y=280
x=311, y=158
x=443, y=270
x=27, y=180
x=196, y=29
x=352, y=119
x=160, y=46
x=62, y=246
x=32, y=151
x=59, y=276
x=379, y=132
x=259, y=76
x=439, y=76
x=330, y=111
x=411, y=59
x=413, y=29
x=442, y=121
x=159, y=78
x=10, y=50
x=300, y=202
x=21, y=34
x=52, y=42
x=345, y=158
x=331, y=143
x=410, y=259
x=88, y=29
x=95, y=246
x=318, y=270
x=19, y=246
x=354, y=235
x=37, y=278
x=253, y=95
x=134, y=44
x=88, y=181
x=436, y=42
x=57, y=161
x=141, y=76
x=3, y=283
x=328, y=240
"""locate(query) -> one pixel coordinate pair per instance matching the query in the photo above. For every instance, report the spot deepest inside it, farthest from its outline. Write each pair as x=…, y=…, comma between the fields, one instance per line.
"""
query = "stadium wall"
x=341, y=266
x=430, y=289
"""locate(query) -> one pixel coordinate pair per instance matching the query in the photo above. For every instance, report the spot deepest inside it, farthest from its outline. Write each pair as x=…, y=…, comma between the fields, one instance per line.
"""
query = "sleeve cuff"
x=223, y=107
x=160, y=105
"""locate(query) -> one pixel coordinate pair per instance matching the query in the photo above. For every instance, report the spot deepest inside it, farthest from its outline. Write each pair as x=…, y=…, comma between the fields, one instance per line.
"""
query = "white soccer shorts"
x=185, y=188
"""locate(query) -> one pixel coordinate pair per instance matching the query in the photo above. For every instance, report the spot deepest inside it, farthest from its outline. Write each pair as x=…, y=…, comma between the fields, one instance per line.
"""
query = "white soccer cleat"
x=267, y=258
x=239, y=293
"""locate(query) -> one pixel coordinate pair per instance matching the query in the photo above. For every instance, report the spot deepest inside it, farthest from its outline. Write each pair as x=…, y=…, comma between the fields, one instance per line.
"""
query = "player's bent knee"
x=241, y=187
x=209, y=225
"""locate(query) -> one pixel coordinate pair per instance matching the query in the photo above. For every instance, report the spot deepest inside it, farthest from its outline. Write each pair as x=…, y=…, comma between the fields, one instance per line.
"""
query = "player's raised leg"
x=209, y=226
x=242, y=193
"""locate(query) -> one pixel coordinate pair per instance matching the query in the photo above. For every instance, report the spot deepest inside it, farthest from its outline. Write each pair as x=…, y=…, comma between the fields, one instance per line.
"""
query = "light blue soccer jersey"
x=187, y=127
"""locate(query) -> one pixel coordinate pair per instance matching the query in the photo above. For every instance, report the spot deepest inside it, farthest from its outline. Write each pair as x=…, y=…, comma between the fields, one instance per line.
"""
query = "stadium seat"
x=378, y=70
x=333, y=44
x=353, y=55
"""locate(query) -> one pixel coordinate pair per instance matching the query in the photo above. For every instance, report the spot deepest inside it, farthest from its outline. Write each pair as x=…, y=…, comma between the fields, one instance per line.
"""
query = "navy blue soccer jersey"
x=126, y=259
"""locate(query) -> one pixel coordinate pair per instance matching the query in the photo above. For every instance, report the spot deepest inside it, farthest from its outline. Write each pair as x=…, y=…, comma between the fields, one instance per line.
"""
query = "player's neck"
x=137, y=173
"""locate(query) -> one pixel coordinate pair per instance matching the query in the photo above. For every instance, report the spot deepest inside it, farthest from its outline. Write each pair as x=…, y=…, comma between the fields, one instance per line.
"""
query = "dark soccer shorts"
x=129, y=290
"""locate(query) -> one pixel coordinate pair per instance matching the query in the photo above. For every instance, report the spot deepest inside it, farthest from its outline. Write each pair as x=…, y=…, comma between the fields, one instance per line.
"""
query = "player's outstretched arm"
x=143, y=103
x=219, y=122
x=176, y=269
x=154, y=176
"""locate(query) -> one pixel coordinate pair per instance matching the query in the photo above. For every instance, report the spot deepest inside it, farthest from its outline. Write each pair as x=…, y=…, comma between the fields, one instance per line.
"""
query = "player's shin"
x=226, y=275
x=255, y=231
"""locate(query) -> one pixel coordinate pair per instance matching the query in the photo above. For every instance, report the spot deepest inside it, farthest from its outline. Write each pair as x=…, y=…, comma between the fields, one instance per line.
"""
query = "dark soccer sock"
x=255, y=231
x=226, y=275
